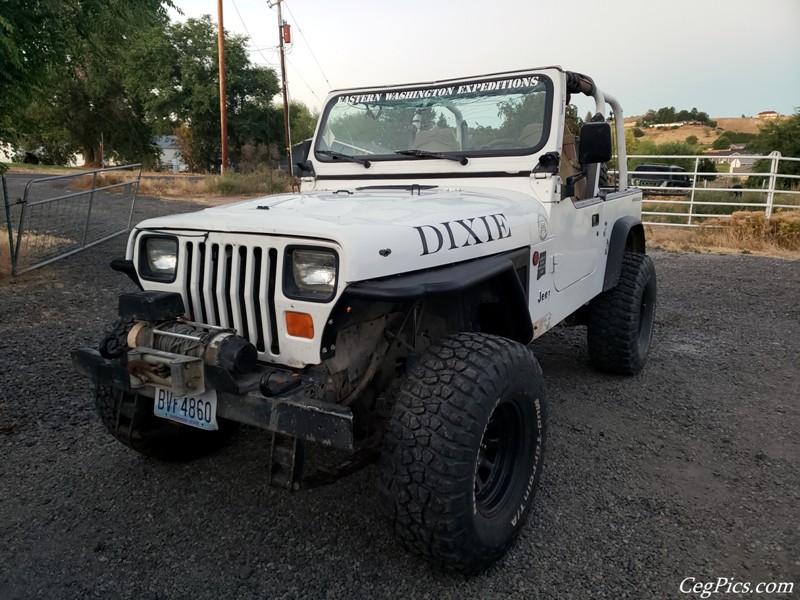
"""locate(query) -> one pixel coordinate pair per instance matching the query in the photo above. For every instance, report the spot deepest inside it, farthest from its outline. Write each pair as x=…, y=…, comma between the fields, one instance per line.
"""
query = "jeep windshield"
x=503, y=115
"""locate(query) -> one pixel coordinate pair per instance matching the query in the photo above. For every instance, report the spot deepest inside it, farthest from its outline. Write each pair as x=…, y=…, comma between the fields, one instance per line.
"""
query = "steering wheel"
x=503, y=143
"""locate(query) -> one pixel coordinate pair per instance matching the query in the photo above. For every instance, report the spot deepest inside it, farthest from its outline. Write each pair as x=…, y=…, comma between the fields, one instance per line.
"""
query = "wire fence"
x=61, y=215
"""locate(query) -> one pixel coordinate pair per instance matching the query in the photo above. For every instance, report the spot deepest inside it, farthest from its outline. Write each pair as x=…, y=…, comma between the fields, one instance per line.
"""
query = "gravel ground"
x=688, y=470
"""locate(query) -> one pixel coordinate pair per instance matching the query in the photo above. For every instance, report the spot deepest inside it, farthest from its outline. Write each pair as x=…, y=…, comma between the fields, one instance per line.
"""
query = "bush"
x=254, y=157
x=782, y=229
x=730, y=200
x=263, y=181
x=637, y=133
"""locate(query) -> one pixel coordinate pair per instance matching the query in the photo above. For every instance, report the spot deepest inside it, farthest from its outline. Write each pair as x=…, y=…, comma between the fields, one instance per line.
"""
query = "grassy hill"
x=705, y=135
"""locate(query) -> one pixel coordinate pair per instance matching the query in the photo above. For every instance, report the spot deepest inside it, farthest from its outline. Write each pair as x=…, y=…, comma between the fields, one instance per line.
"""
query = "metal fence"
x=61, y=215
x=703, y=196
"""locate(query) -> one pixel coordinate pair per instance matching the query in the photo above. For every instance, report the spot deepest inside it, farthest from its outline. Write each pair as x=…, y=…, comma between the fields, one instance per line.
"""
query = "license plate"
x=198, y=411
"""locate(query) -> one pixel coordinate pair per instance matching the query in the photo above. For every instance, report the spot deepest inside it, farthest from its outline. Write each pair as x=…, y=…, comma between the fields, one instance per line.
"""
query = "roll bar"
x=583, y=84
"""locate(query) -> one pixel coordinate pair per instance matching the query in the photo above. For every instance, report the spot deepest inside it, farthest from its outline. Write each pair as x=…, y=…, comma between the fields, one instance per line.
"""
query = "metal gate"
x=702, y=195
x=64, y=214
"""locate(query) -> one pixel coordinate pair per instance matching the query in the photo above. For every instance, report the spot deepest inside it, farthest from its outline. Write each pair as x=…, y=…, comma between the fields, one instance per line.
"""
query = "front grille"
x=233, y=285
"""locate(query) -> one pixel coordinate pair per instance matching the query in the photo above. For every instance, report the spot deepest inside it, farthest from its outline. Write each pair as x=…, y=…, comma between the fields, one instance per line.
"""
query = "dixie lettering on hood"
x=461, y=233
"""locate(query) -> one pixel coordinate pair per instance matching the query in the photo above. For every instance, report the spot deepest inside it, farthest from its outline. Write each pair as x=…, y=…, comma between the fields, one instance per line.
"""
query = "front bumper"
x=292, y=413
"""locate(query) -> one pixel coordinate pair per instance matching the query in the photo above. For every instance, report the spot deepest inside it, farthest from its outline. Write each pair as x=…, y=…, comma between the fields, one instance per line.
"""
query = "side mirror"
x=300, y=154
x=595, y=143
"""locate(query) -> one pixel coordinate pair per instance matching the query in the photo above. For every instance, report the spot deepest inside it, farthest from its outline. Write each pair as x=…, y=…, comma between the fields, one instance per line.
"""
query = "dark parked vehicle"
x=655, y=179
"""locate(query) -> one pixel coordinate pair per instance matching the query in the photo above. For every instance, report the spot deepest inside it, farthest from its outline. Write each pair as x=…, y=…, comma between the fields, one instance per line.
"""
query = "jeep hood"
x=379, y=232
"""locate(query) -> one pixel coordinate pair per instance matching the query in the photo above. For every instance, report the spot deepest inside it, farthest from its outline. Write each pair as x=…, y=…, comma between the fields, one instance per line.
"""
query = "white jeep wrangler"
x=385, y=309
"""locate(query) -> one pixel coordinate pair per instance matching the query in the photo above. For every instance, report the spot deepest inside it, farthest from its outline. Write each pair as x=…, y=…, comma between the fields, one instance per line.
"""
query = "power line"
x=248, y=34
x=296, y=70
x=308, y=44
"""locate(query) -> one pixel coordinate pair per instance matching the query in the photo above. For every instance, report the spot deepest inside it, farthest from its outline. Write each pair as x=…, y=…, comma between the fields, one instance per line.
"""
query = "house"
x=169, y=154
x=6, y=152
x=734, y=157
x=767, y=114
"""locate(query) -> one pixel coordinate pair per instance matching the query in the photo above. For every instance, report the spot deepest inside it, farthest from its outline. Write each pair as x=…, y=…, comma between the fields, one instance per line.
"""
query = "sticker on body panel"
x=461, y=233
x=541, y=267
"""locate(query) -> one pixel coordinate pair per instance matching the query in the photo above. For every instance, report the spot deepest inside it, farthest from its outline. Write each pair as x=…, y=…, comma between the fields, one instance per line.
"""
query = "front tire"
x=464, y=450
x=621, y=320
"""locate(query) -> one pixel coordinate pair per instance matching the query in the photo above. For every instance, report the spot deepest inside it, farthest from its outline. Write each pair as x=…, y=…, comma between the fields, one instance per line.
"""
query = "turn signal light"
x=300, y=325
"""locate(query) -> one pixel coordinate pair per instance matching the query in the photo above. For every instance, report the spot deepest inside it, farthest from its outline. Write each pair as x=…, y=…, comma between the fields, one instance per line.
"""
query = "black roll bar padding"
x=577, y=82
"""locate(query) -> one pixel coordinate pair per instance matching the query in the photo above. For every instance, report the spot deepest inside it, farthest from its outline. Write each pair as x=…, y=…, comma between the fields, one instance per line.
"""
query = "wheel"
x=130, y=419
x=620, y=324
x=464, y=450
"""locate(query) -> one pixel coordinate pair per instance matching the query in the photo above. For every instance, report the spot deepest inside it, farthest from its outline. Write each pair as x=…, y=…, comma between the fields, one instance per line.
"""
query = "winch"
x=173, y=354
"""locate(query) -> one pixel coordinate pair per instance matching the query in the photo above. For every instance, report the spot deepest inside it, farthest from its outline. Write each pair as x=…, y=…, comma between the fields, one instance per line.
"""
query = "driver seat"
x=436, y=140
x=531, y=134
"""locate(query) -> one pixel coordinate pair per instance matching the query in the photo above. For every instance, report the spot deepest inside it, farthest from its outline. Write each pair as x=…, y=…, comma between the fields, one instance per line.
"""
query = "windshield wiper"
x=425, y=154
x=414, y=187
x=347, y=157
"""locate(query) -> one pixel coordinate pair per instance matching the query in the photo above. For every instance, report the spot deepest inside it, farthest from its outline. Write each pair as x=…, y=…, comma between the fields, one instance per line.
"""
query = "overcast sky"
x=723, y=57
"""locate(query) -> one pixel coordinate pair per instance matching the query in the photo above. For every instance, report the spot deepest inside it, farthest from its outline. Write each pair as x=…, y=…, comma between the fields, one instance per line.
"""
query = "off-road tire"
x=464, y=450
x=620, y=324
x=129, y=417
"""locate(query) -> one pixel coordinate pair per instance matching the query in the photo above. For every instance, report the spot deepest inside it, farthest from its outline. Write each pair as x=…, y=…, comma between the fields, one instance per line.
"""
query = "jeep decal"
x=435, y=92
x=461, y=233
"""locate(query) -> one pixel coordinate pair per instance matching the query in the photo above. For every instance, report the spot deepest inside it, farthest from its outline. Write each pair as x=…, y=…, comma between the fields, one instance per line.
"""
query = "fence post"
x=773, y=169
x=133, y=199
x=694, y=187
x=21, y=229
x=9, y=226
x=89, y=212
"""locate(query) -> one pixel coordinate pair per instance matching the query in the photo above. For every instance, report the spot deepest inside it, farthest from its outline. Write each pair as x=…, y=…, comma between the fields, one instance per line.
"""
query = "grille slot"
x=233, y=285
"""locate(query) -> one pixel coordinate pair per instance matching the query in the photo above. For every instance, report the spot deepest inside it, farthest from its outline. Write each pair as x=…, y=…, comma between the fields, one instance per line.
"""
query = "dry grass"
x=31, y=242
x=194, y=186
x=5, y=256
x=704, y=133
x=174, y=186
x=743, y=233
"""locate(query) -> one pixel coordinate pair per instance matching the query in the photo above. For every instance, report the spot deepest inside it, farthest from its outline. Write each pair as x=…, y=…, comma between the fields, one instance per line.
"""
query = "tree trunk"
x=92, y=158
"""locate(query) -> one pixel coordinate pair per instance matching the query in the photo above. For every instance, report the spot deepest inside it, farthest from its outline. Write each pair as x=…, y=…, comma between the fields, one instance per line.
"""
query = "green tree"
x=668, y=114
x=303, y=121
x=66, y=61
x=706, y=165
x=33, y=36
x=723, y=142
x=180, y=91
x=530, y=109
x=777, y=136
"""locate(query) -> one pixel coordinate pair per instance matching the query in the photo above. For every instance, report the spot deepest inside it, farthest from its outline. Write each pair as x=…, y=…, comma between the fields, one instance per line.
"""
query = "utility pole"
x=223, y=102
x=283, y=37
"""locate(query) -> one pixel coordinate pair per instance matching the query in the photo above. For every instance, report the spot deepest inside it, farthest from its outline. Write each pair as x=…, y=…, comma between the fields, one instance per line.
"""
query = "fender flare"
x=627, y=235
x=361, y=300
